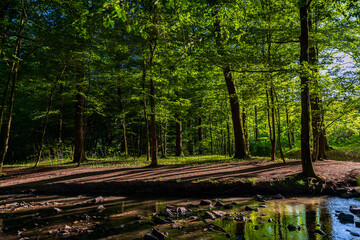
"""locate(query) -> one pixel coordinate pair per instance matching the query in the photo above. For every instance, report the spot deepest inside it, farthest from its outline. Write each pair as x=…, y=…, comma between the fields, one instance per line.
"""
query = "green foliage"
x=107, y=44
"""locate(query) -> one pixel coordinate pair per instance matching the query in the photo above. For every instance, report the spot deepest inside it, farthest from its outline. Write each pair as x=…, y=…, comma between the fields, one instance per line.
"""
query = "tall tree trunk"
x=211, y=137
x=256, y=124
x=200, y=136
x=123, y=121
x=190, y=143
x=153, y=145
x=12, y=76
x=61, y=110
x=240, y=146
x=279, y=135
x=179, y=147
x=246, y=132
x=79, y=151
x=145, y=114
x=271, y=122
x=307, y=165
x=47, y=117
x=288, y=127
x=228, y=136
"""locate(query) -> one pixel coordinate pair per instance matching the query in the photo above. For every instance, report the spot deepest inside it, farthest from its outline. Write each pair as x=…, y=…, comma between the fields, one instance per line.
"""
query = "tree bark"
x=190, y=142
x=211, y=137
x=228, y=137
x=288, y=127
x=145, y=114
x=61, y=113
x=79, y=151
x=200, y=136
x=240, y=146
x=307, y=165
x=279, y=136
x=12, y=75
x=123, y=120
x=246, y=132
x=47, y=117
x=153, y=145
x=256, y=124
x=271, y=121
x=179, y=147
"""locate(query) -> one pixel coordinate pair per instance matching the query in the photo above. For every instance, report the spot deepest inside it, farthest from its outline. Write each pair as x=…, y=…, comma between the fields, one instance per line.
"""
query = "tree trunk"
x=145, y=114
x=153, y=145
x=240, y=146
x=47, y=117
x=190, y=139
x=79, y=121
x=123, y=120
x=246, y=132
x=211, y=137
x=256, y=124
x=12, y=75
x=61, y=113
x=228, y=136
x=179, y=147
x=279, y=135
x=307, y=165
x=200, y=136
x=271, y=122
x=288, y=128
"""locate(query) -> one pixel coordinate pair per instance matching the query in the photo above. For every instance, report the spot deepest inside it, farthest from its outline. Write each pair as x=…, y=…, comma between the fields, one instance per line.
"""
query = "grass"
x=339, y=154
x=130, y=162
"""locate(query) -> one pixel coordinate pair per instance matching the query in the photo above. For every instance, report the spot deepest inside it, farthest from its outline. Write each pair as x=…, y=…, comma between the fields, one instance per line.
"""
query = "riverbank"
x=234, y=178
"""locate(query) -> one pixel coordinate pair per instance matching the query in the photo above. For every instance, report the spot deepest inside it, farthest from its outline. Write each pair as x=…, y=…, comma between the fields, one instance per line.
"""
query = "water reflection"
x=297, y=218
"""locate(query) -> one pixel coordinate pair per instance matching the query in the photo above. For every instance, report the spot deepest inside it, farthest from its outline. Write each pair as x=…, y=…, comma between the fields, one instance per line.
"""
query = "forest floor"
x=240, y=178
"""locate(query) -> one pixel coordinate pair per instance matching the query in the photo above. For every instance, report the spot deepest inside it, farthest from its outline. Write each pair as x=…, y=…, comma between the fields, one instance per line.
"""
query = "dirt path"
x=99, y=179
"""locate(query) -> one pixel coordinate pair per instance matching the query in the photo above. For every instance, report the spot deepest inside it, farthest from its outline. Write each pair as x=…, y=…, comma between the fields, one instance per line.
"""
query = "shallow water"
x=33, y=217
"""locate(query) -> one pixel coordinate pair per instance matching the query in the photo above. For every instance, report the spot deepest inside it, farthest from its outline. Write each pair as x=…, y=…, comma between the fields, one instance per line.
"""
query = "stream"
x=27, y=216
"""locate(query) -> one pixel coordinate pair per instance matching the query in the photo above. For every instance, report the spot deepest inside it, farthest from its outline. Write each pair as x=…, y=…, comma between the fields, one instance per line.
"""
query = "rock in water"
x=181, y=211
x=209, y=215
x=205, y=202
x=248, y=208
x=355, y=210
x=99, y=199
x=159, y=235
x=100, y=208
x=259, y=198
x=228, y=206
x=57, y=210
x=345, y=218
x=219, y=214
x=158, y=220
x=279, y=196
x=219, y=204
x=150, y=237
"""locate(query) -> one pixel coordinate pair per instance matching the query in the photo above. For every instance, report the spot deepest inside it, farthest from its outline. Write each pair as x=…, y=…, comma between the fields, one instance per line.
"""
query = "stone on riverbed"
x=345, y=218
x=219, y=214
x=209, y=215
x=159, y=235
x=355, y=210
x=219, y=204
x=57, y=210
x=205, y=202
x=99, y=199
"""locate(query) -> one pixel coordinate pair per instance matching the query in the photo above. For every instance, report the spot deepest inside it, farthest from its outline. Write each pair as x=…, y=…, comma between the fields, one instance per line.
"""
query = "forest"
x=112, y=78
x=180, y=119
